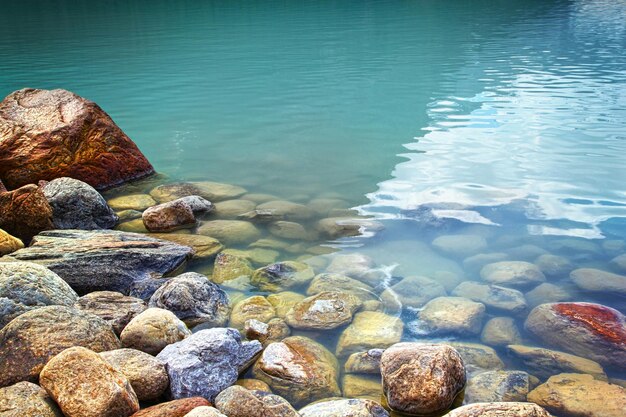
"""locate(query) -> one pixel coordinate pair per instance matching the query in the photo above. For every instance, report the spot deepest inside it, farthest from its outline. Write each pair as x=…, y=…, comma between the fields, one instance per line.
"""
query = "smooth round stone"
x=596, y=280
x=204, y=247
x=364, y=362
x=526, y=252
x=170, y=216
x=499, y=409
x=619, y=263
x=8, y=243
x=548, y=293
x=421, y=378
x=553, y=265
x=494, y=297
x=254, y=384
x=212, y=191
x=324, y=311
x=237, y=401
x=337, y=227
x=233, y=208
x=257, y=256
x=450, y=315
x=288, y=230
x=478, y=358
x=460, y=245
x=494, y=386
x=152, y=330
x=361, y=386
x=26, y=399
x=369, y=330
x=204, y=411
x=501, y=331
x=284, y=301
x=230, y=232
x=287, y=209
x=343, y=408
x=580, y=395
x=113, y=307
x=138, y=202
x=513, y=273
x=338, y=282
x=255, y=307
x=282, y=275
x=413, y=291
x=228, y=267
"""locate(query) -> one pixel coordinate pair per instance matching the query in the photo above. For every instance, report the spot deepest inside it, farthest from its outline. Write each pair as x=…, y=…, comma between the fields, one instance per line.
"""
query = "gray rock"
x=282, y=275
x=26, y=399
x=501, y=331
x=494, y=297
x=548, y=293
x=495, y=386
x=478, y=358
x=449, y=316
x=460, y=245
x=103, y=260
x=413, y=291
x=145, y=288
x=596, y=280
x=77, y=205
x=553, y=265
x=25, y=286
x=237, y=401
x=207, y=362
x=198, y=204
x=501, y=409
x=344, y=408
x=512, y=273
x=115, y=308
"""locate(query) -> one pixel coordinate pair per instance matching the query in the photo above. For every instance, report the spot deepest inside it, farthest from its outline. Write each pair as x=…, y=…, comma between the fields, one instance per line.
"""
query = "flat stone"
x=233, y=208
x=460, y=245
x=494, y=297
x=596, y=280
x=115, y=308
x=338, y=282
x=324, y=311
x=499, y=409
x=512, y=273
x=153, y=330
x=176, y=408
x=9, y=243
x=138, y=202
x=228, y=267
x=212, y=191
x=237, y=401
x=204, y=247
x=497, y=386
x=450, y=316
x=412, y=291
x=230, y=232
x=282, y=275
x=255, y=307
x=501, y=331
x=478, y=358
x=24, y=212
x=170, y=216
x=369, y=330
x=344, y=407
x=367, y=362
x=27, y=399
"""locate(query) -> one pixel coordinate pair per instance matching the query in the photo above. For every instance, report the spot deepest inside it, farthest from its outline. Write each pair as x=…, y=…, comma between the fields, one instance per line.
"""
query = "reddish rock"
x=176, y=408
x=24, y=212
x=169, y=216
x=47, y=134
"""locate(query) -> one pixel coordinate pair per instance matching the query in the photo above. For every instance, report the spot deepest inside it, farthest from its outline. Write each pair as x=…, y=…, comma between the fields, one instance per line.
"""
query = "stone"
x=367, y=362
x=237, y=401
x=338, y=227
x=152, y=330
x=496, y=386
x=144, y=372
x=176, y=408
x=580, y=395
x=230, y=232
x=207, y=362
x=260, y=197
x=411, y=291
x=548, y=293
x=592, y=331
x=299, y=369
x=288, y=230
x=574, y=245
x=233, y=208
x=193, y=299
x=449, y=316
x=460, y=245
x=132, y=226
x=361, y=386
x=323, y=206
x=48, y=134
x=478, y=358
x=526, y=252
x=103, y=260
x=9, y=243
x=544, y=363
x=198, y=204
x=144, y=289
x=282, y=275
x=344, y=408
x=287, y=210
x=512, y=273
x=499, y=409
x=24, y=212
x=31, y=339
x=228, y=267
x=274, y=330
x=115, y=308
x=125, y=215
x=74, y=375
x=212, y=191
x=596, y=280
x=421, y=378
x=26, y=286
x=358, y=266
x=77, y=205
x=337, y=282
x=254, y=384
x=204, y=247
x=26, y=399
x=255, y=307
x=284, y=301
x=170, y=216
x=494, y=297
x=260, y=216
x=501, y=331
x=204, y=411
x=324, y=311
x=369, y=330
x=553, y=265
x=257, y=256
x=475, y=263
x=139, y=202
x=619, y=263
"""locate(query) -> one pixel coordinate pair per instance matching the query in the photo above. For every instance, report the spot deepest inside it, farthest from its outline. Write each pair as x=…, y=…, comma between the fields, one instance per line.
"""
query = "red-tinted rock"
x=24, y=212
x=47, y=134
x=176, y=408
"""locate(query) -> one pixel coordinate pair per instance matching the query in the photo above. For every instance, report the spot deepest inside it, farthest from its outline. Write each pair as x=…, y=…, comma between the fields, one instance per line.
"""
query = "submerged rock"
x=323, y=311
x=228, y=267
x=344, y=407
x=204, y=247
x=501, y=331
x=495, y=386
x=596, y=280
x=287, y=210
x=338, y=282
x=494, y=297
x=361, y=386
x=512, y=273
x=337, y=227
x=450, y=315
x=478, y=358
x=548, y=293
x=169, y=216
x=212, y=191
x=255, y=307
x=553, y=265
x=237, y=401
x=288, y=230
x=25, y=212
x=176, y=408
x=364, y=362
x=115, y=308
x=369, y=330
x=138, y=202
x=153, y=330
x=26, y=399
x=412, y=291
x=499, y=409
x=9, y=243
x=233, y=208
x=460, y=245
x=230, y=232
x=282, y=275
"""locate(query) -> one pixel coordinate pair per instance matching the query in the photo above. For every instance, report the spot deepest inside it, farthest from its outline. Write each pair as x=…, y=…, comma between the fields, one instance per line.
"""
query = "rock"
x=125, y=215
x=9, y=243
x=323, y=311
x=194, y=299
x=512, y=273
x=494, y=386
x=132, y=226
x=553, y=265
x=207, y=362
x=364, y=362
x=580, y=395
x=254, y=384
x=170, y=216
x=526, y=252
x=144, y=289
x=145, y=373
x=233, y=208
x=337, y=227
x=358, y=266
x=338, y=282
x=47, y=134
x=548, y=293
x=505, y=409
x=574, y=245
x=74, y=375
x=476, y=262
x=369, y=330
x=619, y=263
x=25, y=286
x=284, y=301
x=494, y=297
x=31, y=339
x=237, y=401
x=228, y=267
x=412, y=291
x=299, y=369
x=282, y=275
x=596, y=280
x=478, y=358
x=212, y=191
x=544, y=363
x=258, y=256
x=344, y=408
x=323, y=206
x=115, y=308
x=361, y=386
x=230, y=232
x=176, y=408
x=204, y=247
x=26, y=399
x=77, y=205
x=287, y=210
x=288, y=230
x=460, y=245
x=421, y=378
x=138, y=202
x=103, y=260
x=255, y=307
x=204, y=411
x=153, y=330
x=274, y=331
x=198, y=204
x=449, y=315
x=501, y=331
x=589, y=330
x=260, y=216
x=24, y=212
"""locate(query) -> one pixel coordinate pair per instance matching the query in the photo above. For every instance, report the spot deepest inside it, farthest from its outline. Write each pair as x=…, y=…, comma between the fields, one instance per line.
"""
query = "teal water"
x=504, y=119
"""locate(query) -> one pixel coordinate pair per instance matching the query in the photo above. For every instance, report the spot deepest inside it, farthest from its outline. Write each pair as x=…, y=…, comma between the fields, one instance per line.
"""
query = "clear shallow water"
x=500, y=119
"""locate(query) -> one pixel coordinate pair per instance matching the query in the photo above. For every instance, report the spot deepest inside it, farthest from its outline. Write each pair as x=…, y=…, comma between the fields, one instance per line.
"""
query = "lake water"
x=503, y=120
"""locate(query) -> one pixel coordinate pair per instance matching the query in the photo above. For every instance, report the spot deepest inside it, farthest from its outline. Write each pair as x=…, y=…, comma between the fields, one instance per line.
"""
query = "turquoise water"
x=504, y=119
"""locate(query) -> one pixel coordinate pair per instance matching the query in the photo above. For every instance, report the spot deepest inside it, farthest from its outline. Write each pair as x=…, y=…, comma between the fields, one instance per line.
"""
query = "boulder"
x=449, y=316
x=9, y=243
x=496, y=386
x=421, y=378
x=512, y=273
x=204, y=247
x=103, y=260
x=501, y=331
x=237, y=401
x=48, y=134
x=478, y=358
x=152, y=330
x=204, y=411
x=502, y=409
x=74, y=375
x=24, y=212
x=207, y=362
x=596, y=280
x=338, y=282
x=460, y=245
x=364, y=362
x=25, y=286
x=194, y=299
x=26, y=399
x=495, y=298
x=212, y=191
x=176, y=408
x=592, y=331
x=344, y=407
x=255, y=307
x=369, y=330
x=282, y=275
x=31, y=339
x=138, y=202
x=230, y=232
x=228, y=267
x=324, y=311
x=170, y=216
x=115, y=308
x=77, y=205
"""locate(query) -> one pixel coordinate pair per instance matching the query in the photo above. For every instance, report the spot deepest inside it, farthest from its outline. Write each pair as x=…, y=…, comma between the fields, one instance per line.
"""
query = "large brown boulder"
x=176, y=408
x=47, y=134
x=24, y=212
x=26, y=399
x=237, y=401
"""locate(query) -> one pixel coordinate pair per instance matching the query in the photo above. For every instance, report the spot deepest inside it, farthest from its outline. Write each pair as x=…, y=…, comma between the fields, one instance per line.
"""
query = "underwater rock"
x=282, y=275
x=26, y=399
x=255, y=307
x=412, y=291
x=287, y=210
x=369, y=330
x=450, y=315
x=358, y=266
x=501, y=331
x=8, y=243
x=212, y=191
x=478, y=358
x=619, y=263
x=361, y=386
x=257, y=256
x=288, y=230
x=496, y=386
x=25, y=212
x=230, y=232
x=364, y=362
x=338, y=282
x=176, y=408
x=596, y=280
x=324, y=311
x=153, y=330
x=237, y=401
x=283, y=301
x=253, y=384
x=228, y=267
x=460, y=245
x=553, y=265
x=344, y=407
x=274, y=331
x=115, y=308
x=512, y=273
x=138, y=202
x=204, y=247
x=475, y=263
x=494, y=297
x=499, y=409
x=548, y=293
x=233, y=208
x=337, y=227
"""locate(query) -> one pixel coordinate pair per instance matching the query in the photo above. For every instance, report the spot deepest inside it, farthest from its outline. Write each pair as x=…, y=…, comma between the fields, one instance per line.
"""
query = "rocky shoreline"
x=196, y=304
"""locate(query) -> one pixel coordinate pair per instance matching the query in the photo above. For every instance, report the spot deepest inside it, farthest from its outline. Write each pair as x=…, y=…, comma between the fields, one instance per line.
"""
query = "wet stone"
x=449, y=315
x=204, y=411
x=228, y=267
x=170, y=216
x=115, y=308
x=495, y=386
x=619, y=263
x=237, y=401
x=338, y=282
x=282, y=275
x=512, y=273
x=288, y=230
x=212, y=191
x=284, y=301
x=460, y=245
x=138, y=202
x=337, y=227
x=152, y=330
x=548, y=293
x=253, y=384
x=255, y=307
x=364, y=362
x=494, y=297
x=233, y=208
x=501, y=331
x=176, y=408
x=204, y=247
x=595, y=280
x=412, y=291
x=9, y=243
x=287, y=209
x=344, y=407
x=230, y=232
x=323, y=311
x=553, y=265
x=257, y=256
x=26, y=399
x=361, y=386
x=475, y=263
x=369, y=330
x=499, y=409
x=478, y=358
